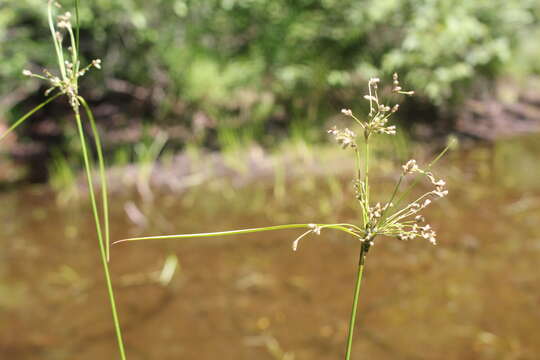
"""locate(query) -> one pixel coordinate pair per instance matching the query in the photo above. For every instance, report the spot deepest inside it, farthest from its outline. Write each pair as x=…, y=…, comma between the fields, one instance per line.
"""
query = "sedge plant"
x=66, y=83
x=389, y=219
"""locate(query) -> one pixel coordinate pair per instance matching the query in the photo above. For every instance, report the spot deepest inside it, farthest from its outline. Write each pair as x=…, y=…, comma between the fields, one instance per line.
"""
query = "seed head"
x=410, y=167
x=374, y=81
x=345, y=137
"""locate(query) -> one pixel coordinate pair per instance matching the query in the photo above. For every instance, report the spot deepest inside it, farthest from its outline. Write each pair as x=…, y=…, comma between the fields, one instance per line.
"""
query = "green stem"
x=358, y=164
x=418, y=176
x=394, y=193
x=341, y=227
x=366, y=182
x=56, y=41
x=363, y=250
x=366, y=171
x=103, y=177
x=359, y=178
x=100, y=237
x=27, y=115
x=78, y=29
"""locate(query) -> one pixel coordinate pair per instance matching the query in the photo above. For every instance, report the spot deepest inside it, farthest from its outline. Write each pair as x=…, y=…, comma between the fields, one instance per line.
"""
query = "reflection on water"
x=474, y=296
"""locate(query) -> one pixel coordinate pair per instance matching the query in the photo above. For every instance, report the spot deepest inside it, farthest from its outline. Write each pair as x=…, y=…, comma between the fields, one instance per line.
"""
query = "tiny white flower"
x=316, y=229
x=369, y=97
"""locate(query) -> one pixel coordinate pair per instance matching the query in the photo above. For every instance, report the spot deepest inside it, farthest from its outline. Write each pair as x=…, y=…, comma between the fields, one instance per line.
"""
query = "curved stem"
x=100, y=237
x=27, y=115
x=57, y=43
x=78, y=29
x=341, y=227
x=363, y=250
x=102, y=175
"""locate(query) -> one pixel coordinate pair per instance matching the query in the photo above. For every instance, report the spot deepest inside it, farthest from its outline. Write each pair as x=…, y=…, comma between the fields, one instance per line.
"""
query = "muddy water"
x=474, y=296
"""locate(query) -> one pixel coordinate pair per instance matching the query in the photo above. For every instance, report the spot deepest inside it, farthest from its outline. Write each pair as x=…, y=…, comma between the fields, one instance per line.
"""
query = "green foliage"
x=448, y=43
x=274, y=59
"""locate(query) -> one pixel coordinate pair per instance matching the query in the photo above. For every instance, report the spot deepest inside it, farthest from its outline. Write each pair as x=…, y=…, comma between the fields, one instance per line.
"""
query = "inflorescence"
x=70, y=70
x=386, y=219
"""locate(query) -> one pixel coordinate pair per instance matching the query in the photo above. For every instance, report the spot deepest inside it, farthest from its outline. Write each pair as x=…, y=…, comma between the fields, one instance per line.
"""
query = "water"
x=474, y=296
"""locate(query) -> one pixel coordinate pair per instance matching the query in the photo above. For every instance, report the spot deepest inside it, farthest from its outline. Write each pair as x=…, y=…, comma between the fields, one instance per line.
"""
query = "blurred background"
x=213, y=115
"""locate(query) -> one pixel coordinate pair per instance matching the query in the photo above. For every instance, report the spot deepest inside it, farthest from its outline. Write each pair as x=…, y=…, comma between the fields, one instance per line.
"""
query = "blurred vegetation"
x=250, y=66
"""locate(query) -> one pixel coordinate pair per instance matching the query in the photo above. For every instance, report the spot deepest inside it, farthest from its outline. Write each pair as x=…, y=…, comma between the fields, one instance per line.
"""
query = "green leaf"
x=27, y=115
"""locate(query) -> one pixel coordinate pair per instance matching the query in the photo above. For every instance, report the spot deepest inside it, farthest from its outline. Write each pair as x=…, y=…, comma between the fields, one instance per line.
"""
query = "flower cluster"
x=405, y=224
x=387, y=218
x=396, y=88
x=64, y=21
x=70, y=71
x=346, y=137
x=379, y=113
x=376, y=212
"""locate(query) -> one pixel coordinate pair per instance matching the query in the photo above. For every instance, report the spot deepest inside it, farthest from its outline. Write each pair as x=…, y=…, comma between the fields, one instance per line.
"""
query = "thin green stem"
x=361, y=189
x=74, y=60
x=38, y=77
x=342, y=227
x=358, y=163
x=73, y=48
x=56, y=41
x=366, y=172
x=358, y=121
x=27, y=115
x=394, y=193
x=102, y=175
x=78, y=26
x=361, y=263
x=406, y=211
x=418, y=176
x=100, y=237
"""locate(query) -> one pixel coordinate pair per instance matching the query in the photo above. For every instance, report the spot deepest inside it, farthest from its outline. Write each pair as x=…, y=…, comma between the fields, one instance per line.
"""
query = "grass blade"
x=77, y=33
x=102, y=175
x=56, y=41
x=88, y=169
x=217, y=233
x=342, y=227
x=27, y=115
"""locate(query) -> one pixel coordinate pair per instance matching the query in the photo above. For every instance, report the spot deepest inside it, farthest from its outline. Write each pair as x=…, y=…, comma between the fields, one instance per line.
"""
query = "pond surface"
x=476, y=295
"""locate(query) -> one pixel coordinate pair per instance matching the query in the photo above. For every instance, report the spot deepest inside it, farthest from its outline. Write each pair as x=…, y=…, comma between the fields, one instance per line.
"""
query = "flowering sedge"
x=379, y=219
